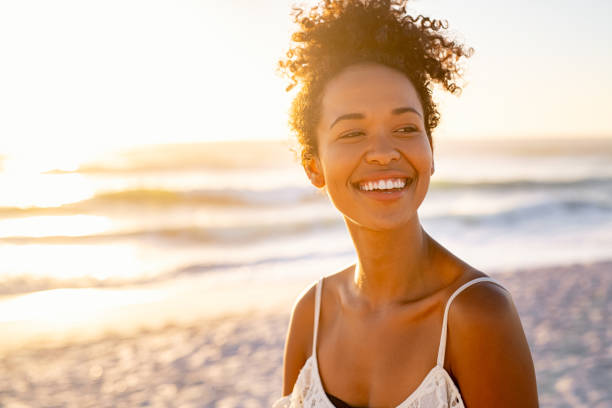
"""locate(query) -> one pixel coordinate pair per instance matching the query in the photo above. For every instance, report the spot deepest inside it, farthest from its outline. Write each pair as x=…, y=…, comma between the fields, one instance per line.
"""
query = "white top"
x=437, y=390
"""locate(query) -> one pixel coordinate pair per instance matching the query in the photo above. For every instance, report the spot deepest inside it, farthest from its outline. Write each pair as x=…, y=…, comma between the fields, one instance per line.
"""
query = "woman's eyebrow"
x=346, y=117
x=396, y=111
x=403, y=109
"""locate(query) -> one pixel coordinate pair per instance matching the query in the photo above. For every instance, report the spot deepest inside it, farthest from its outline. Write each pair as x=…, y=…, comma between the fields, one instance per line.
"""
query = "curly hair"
x=338, y=33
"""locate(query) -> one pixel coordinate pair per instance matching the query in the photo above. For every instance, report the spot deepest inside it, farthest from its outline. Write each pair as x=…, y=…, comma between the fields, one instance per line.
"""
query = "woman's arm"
x=299, y=338
x=489, y=354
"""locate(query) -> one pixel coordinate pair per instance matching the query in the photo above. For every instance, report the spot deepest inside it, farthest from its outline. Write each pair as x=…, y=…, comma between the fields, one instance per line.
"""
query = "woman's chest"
x=377, y=360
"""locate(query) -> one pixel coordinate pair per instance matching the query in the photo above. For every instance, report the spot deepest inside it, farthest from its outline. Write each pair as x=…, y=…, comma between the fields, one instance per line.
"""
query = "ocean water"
x=232, y=214
x=162, y=212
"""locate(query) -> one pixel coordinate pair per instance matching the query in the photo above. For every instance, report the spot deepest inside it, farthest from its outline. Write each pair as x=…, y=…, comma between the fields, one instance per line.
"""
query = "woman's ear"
x=432, y=168
x=312, y=167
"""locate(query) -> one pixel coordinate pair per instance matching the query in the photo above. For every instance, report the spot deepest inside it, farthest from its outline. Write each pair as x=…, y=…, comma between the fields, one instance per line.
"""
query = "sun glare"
x=43, y=161
x=32, y=189
x=44, y=226
x=66, y=307
x=119, y=261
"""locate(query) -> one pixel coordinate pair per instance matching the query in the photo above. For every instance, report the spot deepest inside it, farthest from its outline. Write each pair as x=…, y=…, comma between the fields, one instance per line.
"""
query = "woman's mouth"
x=385, y=189
x=385, y=185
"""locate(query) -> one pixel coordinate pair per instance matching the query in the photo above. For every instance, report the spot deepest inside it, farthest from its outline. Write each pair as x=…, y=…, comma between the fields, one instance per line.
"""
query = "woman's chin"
x=383, y=224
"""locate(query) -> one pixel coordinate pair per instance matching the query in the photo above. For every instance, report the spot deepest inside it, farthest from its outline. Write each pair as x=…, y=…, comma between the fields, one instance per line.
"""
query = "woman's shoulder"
x=299, y=337
x=302, y=320
x=487, y=347
x=482, y=300
x=478, y=306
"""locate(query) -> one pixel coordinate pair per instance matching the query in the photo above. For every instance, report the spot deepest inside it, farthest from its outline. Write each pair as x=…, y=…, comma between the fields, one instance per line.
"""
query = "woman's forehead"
x=369, y=86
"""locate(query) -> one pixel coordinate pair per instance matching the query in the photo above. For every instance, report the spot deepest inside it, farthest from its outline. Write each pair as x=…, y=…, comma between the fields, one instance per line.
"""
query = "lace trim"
x=436, y=391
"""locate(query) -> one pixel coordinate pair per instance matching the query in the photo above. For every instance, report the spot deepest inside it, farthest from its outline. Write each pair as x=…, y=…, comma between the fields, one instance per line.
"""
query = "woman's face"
x=374, y=156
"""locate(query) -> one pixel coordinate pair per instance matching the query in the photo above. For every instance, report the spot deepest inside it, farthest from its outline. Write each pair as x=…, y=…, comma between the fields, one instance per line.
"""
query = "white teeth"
x=383, y=184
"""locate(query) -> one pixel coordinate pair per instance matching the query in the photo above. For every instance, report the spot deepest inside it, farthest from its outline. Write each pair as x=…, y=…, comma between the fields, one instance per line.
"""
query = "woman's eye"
x=351, y=134
x=407, y=129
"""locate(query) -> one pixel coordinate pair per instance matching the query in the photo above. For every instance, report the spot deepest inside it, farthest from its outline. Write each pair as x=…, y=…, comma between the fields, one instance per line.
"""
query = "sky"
x=80, y=76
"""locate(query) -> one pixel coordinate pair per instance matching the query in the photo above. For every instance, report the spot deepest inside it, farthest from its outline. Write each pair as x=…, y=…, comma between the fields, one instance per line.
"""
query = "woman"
x=382, y=333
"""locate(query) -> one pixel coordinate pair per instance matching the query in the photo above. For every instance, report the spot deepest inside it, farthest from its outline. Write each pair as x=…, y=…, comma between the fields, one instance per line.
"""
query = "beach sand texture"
x=237, y=361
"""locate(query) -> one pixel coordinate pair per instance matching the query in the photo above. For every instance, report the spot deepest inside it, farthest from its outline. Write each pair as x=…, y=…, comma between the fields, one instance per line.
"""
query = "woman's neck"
x=393, y=266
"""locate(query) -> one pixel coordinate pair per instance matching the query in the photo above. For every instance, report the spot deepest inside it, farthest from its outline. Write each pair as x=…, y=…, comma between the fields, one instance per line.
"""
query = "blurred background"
x=155, y=227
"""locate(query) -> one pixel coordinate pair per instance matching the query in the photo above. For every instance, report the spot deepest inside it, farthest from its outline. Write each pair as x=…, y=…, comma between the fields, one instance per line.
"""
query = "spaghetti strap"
x=316, y=315
x=442, y=346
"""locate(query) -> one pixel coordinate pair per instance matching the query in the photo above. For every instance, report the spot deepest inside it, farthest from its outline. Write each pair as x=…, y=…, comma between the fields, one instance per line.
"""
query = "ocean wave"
x=523, y=184
x=536, y=212
x=14, y=285
x=171, y=198
x=224, y=197
x=233, y=235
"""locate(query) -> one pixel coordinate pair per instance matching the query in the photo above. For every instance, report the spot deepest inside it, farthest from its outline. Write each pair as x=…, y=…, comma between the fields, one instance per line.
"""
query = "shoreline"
x=236, y=360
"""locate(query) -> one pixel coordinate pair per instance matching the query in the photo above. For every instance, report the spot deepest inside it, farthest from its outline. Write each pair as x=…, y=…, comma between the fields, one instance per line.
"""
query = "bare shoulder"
x=482, y=300
x=298, y=344
x=487, y=349
x=299, y=337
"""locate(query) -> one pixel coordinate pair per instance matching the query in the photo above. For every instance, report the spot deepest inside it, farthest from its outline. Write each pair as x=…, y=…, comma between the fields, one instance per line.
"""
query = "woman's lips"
x=387, y=194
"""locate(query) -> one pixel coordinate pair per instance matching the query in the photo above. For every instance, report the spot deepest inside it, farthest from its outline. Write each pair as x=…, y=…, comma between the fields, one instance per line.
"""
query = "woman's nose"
x=382, y=150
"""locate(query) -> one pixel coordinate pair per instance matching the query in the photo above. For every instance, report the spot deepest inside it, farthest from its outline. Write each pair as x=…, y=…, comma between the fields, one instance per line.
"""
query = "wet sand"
x=236, y=361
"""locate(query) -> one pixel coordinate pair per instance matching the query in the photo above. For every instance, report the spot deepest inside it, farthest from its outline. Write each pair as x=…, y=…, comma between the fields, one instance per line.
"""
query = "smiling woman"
x=368, y=335
x=388, y=108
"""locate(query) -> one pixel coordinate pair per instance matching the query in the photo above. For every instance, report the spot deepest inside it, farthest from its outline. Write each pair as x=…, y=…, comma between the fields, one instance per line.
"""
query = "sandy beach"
x=236, y=361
